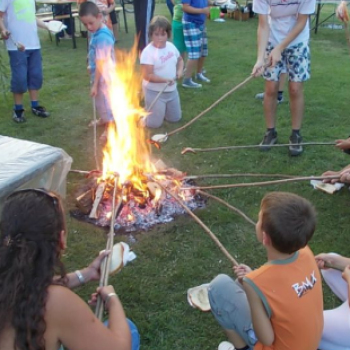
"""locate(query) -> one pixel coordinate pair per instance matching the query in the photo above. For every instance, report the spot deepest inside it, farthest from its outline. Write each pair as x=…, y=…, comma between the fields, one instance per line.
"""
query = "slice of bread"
x=198, y=297
x=117, y=259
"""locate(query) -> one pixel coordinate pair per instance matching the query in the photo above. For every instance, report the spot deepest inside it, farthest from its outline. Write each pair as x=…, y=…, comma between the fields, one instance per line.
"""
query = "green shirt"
x=178, y=11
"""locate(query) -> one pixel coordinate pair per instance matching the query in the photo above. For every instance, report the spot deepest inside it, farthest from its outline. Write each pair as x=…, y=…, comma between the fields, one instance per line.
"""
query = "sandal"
x=98, y=122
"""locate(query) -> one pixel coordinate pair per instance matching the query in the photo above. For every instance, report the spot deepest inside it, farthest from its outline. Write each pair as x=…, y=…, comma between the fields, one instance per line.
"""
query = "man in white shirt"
x=283, y=43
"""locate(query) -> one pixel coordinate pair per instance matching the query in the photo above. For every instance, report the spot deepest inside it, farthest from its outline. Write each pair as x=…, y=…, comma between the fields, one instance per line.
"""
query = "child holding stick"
x=279, y=305
x=336, y=330
x=161, y=65
x=101, y=60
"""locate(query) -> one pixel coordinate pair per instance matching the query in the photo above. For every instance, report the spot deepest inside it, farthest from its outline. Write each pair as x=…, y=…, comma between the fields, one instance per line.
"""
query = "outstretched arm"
x=261, y=322
x=263, y=38
x=3, y=30
x=87, y=274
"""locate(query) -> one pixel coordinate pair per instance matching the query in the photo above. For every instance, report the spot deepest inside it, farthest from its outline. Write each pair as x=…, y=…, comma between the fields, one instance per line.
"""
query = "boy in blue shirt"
x=101, y=59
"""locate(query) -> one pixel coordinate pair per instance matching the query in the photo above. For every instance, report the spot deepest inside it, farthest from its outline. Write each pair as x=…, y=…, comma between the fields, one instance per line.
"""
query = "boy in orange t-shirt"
x=279, y=306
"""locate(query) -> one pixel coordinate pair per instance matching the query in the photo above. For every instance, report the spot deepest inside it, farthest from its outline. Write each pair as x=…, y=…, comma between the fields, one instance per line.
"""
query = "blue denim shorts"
x=230, y=307
x=26, y=70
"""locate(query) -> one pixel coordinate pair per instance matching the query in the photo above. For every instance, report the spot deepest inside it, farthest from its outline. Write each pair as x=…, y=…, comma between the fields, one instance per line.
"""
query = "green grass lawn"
x=175, y=257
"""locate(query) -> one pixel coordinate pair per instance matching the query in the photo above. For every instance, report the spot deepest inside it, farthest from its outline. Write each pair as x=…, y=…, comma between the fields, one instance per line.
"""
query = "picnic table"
x=51, y=16
x=319, y=5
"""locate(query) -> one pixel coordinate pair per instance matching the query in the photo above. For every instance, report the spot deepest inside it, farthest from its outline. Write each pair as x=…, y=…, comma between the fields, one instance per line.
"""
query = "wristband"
x=80, y=277
x=109, y=297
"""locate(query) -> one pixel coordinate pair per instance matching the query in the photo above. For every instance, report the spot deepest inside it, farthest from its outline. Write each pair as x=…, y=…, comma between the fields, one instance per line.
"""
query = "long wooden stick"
x=95, y=133
x=203, y=112
x=223, y=148
x=268, y=183
x=157, y=97
x=109, y=246
x=200, y=222
x=238, y=211
x=220, y=176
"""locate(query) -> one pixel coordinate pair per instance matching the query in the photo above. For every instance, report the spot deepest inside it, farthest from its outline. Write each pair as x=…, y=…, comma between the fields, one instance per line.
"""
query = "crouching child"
x=279, y=305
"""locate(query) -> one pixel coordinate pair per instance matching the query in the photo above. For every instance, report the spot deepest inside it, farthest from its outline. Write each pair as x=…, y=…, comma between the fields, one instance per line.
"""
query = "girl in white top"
x=161, y=66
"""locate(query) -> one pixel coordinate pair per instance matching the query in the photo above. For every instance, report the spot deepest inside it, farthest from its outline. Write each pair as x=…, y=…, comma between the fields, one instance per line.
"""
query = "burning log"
x=85, y=201
x=99, y=195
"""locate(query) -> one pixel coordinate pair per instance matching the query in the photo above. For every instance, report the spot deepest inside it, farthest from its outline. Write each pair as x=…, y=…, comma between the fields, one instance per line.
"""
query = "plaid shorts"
x=196, y=40
x=295, y=61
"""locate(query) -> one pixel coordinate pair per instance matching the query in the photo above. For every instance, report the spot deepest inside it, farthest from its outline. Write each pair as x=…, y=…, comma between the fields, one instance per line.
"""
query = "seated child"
x=101, y=60
x=161, y=65
x=336, y=330
x=279, y=305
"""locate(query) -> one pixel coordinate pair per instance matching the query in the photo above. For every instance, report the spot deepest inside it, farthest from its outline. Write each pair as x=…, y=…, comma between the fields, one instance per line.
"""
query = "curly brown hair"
x=30, y=227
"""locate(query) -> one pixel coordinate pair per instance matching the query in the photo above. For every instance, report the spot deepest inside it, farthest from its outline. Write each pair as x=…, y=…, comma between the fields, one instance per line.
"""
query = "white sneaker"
x=225, y=345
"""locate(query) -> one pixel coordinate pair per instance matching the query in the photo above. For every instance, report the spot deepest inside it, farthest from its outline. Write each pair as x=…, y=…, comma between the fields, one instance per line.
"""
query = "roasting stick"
x=217, y=176
x=200, y=222
x=162, y=138
x=214, y=149
x=109, y=246
x=95, y=133
x=154, y=101
x=238, y=211
x=267, y=183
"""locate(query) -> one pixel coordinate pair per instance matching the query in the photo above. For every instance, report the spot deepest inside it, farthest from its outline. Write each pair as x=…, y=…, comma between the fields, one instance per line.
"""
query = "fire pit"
x=142, y=200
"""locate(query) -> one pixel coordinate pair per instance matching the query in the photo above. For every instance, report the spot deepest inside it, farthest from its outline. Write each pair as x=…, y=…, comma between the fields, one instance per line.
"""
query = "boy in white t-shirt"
x=18, y=25
x=283, y=36
x=161, y=64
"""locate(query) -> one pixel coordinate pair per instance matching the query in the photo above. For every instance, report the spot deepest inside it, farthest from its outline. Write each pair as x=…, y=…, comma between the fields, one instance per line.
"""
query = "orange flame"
x=126, y=152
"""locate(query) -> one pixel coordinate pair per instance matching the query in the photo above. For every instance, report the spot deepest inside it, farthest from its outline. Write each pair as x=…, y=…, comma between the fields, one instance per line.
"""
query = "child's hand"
x=88, y=69
x=179, y=74
x=5, y=34
x=332, y=260
x=206, y=10
x=258, y=68
x=241, y=270
x=345, y=176
x=275, y=56
x=331, y=173
x=343, y=144
x=346, y=274
x=171, y=82
x=93, y=91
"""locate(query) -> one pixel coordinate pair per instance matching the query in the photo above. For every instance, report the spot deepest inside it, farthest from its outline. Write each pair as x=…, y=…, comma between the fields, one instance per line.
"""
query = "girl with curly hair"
x=38, y=311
